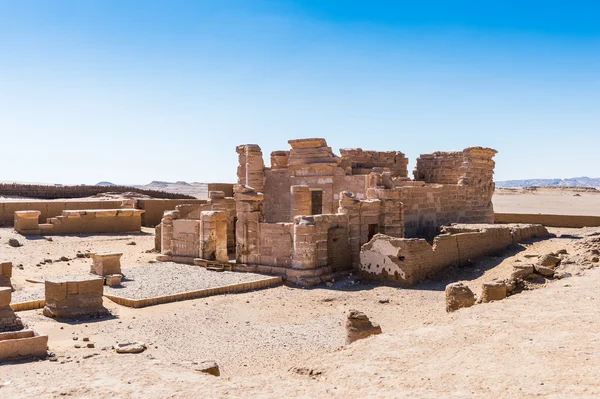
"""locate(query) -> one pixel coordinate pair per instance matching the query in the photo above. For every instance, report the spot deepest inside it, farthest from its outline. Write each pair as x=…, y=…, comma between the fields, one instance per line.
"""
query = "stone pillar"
x=27, y=222
x=106, y=263
x=213, y=236
x=167, y=232
x=300, y=201
x=279, y=159
x=350, y=205
x=8, y=319
x=74, y=297
x=5, y=274
x=219, y=202
x=305, y=243
x=477, y=175
x=249, y=208
x=251, y=169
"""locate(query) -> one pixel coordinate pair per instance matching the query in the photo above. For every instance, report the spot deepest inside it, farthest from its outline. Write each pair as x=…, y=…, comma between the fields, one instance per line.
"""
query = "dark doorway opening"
x=373, y=229
x=316, y=198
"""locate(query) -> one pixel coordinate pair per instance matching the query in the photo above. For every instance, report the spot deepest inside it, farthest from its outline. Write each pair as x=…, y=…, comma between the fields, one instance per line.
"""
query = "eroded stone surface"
x=358, y=326
x=458, y=296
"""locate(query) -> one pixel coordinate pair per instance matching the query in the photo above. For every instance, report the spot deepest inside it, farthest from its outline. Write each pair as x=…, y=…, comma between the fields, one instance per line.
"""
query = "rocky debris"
x=458, y=296
x=306, y=371
x=63, y=259
x=549, y=261
x=384, y=300
x=493, y=291
x=544, y=271
x=595, y=259
x=13, y=242
x=561, y=252
x=131, y=347
x=131, y=243
x=209, y=367
x=358, y=326
x=521, y=271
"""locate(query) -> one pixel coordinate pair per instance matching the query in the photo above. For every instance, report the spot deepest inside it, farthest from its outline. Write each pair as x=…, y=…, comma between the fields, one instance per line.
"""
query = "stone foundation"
x=8, y=319
x=22, y=345
x=75, y=297
x=106, y=263
x=89, y=221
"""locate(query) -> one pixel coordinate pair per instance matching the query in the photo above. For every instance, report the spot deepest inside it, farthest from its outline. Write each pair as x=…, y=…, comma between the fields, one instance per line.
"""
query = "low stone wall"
x=89, y=221
x=548, y=220
x=406, y=261
x=50, y=209
x=22, y=344
x=155, y=208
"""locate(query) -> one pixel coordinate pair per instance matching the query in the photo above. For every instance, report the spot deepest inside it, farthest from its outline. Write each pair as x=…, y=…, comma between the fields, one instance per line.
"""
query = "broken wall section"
x=407, y=261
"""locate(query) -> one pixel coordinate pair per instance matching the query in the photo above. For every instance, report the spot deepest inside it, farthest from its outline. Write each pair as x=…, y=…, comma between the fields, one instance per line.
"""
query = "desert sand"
x=289, y=342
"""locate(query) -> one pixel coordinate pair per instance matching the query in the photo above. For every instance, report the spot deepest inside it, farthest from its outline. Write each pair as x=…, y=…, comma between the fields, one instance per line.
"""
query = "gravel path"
x=167, y=278
x=33, y=293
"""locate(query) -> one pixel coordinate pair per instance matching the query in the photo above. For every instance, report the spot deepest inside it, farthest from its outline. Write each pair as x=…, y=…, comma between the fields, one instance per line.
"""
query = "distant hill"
x=570, y=182
x=105, y=183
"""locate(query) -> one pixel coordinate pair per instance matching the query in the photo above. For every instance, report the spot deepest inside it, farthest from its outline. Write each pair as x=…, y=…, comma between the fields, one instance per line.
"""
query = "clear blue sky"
x=133, y=91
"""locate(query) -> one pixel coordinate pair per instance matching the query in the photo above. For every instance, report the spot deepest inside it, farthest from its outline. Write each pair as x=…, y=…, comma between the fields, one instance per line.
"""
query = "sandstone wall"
x=155, y=208
x=407, y=261
x=91, y=221
x=226, y=188
x=50, y=209
x=361, y=162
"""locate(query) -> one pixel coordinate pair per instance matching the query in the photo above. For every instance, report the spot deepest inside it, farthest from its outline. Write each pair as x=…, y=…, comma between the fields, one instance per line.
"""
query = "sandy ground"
x=259, y=338
x=554, y=201
x=289, y=342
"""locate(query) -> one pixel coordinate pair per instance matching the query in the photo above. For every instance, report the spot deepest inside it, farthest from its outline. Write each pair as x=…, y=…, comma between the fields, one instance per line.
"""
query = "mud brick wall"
x=361, y=162
x=408, y=261
x=56, y=192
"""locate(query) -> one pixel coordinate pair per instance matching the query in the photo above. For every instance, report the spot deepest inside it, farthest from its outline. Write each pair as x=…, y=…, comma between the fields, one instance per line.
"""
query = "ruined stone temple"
x=307, y=216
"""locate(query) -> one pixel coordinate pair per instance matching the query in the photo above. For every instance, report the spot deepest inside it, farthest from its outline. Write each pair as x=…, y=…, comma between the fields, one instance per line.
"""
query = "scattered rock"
x=595, y=259
x=562, y=252
x=85, y=339
x=384, y=300
x=521, y=271
x=13, y=242
x=132, y=347
x=80, y=255
x=64, y=259
x=91, y=345
x=531, y=256
x=458, y=296
x=544, y=271
x=131, y=243
x=549, y=261
x=208, y=367
x=562, y=275
x=494, y=291
x=358, y=326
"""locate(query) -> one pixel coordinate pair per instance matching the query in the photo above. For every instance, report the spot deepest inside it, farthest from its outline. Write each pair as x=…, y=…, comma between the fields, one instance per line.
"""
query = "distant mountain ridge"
x=569, y=182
